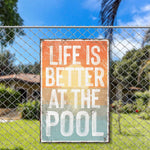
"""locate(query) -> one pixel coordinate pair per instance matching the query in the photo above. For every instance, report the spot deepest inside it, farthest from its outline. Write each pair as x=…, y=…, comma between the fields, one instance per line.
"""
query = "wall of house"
x=30, y=88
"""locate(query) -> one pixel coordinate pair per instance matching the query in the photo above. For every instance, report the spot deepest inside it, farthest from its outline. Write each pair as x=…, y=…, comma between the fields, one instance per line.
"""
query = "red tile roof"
x=24, y=77
x=134, y=88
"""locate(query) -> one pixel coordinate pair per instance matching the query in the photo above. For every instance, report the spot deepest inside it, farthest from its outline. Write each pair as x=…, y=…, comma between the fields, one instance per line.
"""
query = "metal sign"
x=74, y=91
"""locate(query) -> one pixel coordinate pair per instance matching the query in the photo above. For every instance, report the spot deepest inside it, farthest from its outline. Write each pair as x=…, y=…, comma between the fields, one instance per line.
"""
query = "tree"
x=29, y=68
x=108, y=14
x=145, y=66
x=146, y=37
x=7, y=63
x=9, y=17
x=133, y=63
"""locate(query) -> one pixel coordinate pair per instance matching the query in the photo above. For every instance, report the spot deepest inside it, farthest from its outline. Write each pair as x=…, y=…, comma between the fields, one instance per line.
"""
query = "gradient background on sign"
x=102, y=119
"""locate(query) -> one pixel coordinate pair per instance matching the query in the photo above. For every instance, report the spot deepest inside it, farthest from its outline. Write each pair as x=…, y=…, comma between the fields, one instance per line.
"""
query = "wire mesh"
x=20, y=86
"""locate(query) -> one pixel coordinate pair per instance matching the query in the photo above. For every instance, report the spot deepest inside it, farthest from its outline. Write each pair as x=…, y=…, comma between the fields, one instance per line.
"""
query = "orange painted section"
x=45, y=52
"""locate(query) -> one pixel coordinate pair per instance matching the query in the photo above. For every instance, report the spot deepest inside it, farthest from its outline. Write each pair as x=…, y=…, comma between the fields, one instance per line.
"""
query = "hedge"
x=30, y=110
x=9, y=98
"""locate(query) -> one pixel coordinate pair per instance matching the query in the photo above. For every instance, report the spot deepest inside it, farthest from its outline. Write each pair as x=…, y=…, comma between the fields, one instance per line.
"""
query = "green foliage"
x=33, y=69
x=148, y=107
x=142, y=104
x=7, y=63
x=118, y=106
x=142, y=98
x=9, y=98
x=129, y=108
x=143, y=101
x=7, y=66
x=30, y=110
x=9, y=17
x=128, y=69
x=144, y=115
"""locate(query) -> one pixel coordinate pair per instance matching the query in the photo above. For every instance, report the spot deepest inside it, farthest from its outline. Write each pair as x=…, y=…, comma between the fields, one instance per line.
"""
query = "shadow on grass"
x=16, y=148
x=110, y=127
x=126, y=133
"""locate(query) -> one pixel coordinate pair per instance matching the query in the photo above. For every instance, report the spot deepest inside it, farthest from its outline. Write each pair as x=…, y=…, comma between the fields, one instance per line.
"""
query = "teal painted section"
x=56, y=136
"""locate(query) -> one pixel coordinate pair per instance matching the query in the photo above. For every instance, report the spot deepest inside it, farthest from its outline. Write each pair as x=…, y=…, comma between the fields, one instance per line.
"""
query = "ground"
x=25, y=134
x=7, y=115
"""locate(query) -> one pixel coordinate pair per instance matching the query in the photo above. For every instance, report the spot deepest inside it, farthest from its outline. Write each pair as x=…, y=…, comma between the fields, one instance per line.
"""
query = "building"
x=27, y=84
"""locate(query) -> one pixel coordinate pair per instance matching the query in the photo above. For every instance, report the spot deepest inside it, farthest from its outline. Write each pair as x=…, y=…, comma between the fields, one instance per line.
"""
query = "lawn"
x=25, y=134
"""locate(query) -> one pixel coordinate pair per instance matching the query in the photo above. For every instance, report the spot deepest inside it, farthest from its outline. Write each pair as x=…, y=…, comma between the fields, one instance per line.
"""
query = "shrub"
x=30, y=110
x=142, y=98
x=118, y=106
x=129, y=108
x=144, y=115
x=9, y=98
x=147, y=110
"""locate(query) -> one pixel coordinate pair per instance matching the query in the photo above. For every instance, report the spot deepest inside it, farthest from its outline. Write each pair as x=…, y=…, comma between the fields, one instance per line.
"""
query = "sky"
x=76, y=13
x=80, y=12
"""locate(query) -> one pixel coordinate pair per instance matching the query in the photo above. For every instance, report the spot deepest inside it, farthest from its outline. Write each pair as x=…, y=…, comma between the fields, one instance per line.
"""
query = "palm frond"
x=146, y=65
x=146, y=37
x=108, y=14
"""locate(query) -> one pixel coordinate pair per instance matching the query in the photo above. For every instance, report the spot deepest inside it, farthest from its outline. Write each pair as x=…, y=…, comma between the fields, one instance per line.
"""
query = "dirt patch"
x=4, y=111
x=10, y=114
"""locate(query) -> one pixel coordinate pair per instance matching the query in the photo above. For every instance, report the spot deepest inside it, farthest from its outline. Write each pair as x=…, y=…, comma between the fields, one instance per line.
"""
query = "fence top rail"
x=74, y=26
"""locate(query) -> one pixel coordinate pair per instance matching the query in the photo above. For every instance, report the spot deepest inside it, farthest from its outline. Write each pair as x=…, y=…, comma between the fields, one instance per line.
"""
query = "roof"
x=134, y=88
x=24, y=77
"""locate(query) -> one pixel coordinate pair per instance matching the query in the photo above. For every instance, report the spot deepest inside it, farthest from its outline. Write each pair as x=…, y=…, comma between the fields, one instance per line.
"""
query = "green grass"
x=25, y=134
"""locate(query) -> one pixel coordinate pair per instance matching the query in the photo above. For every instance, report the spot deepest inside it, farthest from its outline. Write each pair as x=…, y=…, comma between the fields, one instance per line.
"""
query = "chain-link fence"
x=20, y=86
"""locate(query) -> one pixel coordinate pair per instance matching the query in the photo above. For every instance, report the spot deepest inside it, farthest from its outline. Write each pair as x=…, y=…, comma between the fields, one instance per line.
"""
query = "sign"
x=74, y=91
